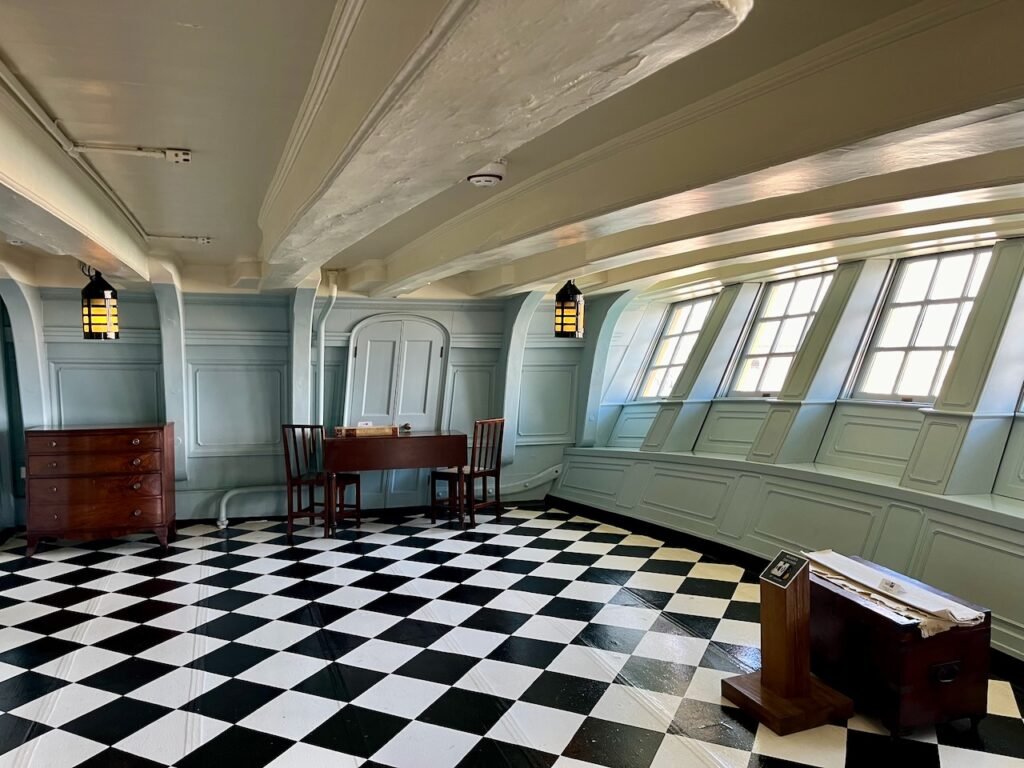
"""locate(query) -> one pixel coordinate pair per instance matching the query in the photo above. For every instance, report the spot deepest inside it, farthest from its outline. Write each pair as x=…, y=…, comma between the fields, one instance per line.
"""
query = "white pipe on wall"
x=321, y=345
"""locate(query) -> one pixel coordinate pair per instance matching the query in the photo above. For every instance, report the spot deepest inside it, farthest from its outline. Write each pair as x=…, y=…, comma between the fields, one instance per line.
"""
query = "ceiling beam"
x=470, y=93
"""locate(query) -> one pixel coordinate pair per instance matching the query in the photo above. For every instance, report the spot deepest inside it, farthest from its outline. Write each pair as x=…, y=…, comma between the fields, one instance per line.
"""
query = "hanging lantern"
x=99, y=308
x=569, y=312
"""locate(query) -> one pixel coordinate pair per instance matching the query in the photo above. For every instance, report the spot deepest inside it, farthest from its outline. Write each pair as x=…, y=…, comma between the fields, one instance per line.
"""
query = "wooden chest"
x=98, y=482
x=890, y=671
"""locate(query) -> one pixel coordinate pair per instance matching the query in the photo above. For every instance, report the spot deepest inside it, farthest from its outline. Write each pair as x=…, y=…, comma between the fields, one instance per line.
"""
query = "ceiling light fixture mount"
x=569, y=312
x=176, y=156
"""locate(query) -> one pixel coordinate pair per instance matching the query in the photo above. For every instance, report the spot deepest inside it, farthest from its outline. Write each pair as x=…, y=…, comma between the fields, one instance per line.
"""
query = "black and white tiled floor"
x=546, y=640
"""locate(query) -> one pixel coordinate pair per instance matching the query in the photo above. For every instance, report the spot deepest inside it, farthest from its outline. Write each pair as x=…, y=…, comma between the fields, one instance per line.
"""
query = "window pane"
x=750, y=374
x=653, y=382
x=678, y=320
x=951, y=277
x=764, y=335
x=665, y=349
x=947, y=358
x=914, y=283
x=918, y=373
x=936, y=324
x=699, y=315
x=775, y=373
x=825, y=283
x=898, y=326
x=979, y=274
x=778, y=298
x=961, y=321
x=790, y=334
x=670, y=380
x=803, y=297
x=883, y=368
x=684, y=348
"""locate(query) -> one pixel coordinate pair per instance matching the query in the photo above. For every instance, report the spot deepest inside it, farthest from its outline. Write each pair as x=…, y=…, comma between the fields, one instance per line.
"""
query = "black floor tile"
x=316, y=614
x=228, y=579
x=495, y=620
x=471, y=595
x=356, y=731
x=705, y=721
x=609, y=638
x=15, y=731
x=742, y=611
x=573, y=694
x=114, y=721
x=567, y=608
x=686, y=625
x=231, y=626
x=115, y=758
x=231, y=659
x=340, y=682
x=670, y=567
x=996, y=734
x=612, y=744
x=540, y=585
x=491, y=754
x=415, y=632
x=463, y=710
x=605, y=576
x=656, y=675
x=707, y=588
x=397, y=605
x=137, y=639
x=38, y=652
x=55, y=622
x=327, y=644
x=437, y=666
x=233, y=700
x=26, y=687
x=125, y=676
x=237, y=746
x=229, y=600
x=68, y=597
x=731, y=658
x=527, y=651
x=870, y=750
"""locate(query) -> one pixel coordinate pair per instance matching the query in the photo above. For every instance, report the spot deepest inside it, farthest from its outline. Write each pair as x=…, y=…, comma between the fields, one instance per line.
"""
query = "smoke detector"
x=490, y=175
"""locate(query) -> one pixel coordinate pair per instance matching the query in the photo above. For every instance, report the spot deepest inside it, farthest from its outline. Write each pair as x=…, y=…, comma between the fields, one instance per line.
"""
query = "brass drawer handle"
x=136, y=462
x=136, y=441
x=53, y=489
x=53, y=465
x=135, y=486
x=53, y=443
x=137, y=513
x=54, y=515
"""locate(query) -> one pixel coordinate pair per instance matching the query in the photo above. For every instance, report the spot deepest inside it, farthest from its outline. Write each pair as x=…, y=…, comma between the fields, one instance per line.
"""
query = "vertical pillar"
x=602, y=314
x=963, y=435
x=300, y=355
x=796, y=421
x=26, y=312
x=519, y=312
x=679, y=420
x=170, y=306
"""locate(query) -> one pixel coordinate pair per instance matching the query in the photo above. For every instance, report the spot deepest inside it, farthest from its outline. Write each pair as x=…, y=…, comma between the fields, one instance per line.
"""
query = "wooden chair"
x=484, y=462
x=303, y=461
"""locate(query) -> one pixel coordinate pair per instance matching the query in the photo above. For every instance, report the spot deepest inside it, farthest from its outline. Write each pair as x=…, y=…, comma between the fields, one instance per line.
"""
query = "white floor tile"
x=520, y=602
x=430, y=588
x=1001, y=700
x=364, y=623
x=104, y=604
x=445, y=612
x=292, y=715
x=283, y=670
x=380, y=655
x=627, y=616
x=595, y=593
x=79, y=664
x=678, y=751
x=718, y=571
x=172, y=736
x=277, y=635
x=54, y=749
x=64, y=705
x=697, y=605
x=351, y=597
x=657, y=582
x=469, y=642
x=537, y=727
x=182, y=649
x=675, y=648
x=499, y=678
x=591, y=663
x=445, y=746
x=551, y=628
x=177, y=688
x=12, y=637
x=308, y=756
x=824, y=746
x=19, y=613
x=636, y=706
x=706, y=685
x=954, y=757
x=271, y=607
x=400, y=695
x=738, y=633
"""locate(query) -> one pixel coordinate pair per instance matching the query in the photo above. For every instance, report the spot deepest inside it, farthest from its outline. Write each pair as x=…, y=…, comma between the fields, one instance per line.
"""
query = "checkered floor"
x=546, y=640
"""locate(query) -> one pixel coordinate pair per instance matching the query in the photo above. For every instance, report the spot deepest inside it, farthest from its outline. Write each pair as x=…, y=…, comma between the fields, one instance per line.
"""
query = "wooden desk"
x=423, y=449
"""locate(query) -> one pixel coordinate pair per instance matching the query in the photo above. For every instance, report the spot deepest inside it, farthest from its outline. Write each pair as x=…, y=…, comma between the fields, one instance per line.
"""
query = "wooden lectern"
x=783, y=694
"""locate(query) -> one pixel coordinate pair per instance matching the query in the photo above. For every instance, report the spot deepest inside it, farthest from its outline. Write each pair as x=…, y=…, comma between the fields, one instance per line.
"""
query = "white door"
x=397, y=378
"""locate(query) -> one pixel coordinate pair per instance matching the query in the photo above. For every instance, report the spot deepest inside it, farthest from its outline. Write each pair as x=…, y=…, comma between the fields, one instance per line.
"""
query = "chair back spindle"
x=487, y=438
x=303, y=449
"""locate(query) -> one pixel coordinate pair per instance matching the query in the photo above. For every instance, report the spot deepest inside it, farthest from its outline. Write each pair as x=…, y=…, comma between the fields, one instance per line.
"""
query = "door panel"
x=398, y=373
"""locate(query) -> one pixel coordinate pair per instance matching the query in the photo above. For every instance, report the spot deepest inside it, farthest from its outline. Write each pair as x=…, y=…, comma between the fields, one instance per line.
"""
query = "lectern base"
x=783, y=715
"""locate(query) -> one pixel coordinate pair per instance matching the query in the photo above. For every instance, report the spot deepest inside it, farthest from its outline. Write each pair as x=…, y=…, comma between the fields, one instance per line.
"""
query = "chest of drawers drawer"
x=93, y=442
x=68, y=490
x=117, y=515
x=54, y=465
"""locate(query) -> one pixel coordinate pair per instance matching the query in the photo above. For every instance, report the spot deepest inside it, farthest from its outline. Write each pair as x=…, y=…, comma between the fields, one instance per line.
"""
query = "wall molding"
x=226, y=338
x=270, y=446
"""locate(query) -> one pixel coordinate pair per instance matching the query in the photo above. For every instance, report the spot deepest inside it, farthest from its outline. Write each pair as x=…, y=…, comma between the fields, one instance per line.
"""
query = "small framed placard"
x=783, y=568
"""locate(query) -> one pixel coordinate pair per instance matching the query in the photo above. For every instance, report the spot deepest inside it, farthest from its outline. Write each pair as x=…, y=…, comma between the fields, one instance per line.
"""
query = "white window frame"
x=687, y=330
x=761, y=318
x=961, y=307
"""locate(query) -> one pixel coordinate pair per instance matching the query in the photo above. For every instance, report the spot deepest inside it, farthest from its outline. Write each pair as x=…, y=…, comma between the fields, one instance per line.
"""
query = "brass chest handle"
x=135, y=486
x=137, y=513
x=136, y=441
x=136, y=462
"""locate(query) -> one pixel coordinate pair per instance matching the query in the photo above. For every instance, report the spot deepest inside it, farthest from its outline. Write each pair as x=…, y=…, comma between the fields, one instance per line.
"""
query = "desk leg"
x=330, y=497
x=461, y=490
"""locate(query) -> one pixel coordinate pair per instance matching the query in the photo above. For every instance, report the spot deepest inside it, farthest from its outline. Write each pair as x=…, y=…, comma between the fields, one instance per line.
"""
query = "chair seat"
x=454, y=471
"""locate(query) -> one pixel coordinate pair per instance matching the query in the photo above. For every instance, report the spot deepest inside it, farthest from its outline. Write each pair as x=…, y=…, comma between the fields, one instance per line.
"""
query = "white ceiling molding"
x=52, y=205
x=343, y=21
x=473, y=91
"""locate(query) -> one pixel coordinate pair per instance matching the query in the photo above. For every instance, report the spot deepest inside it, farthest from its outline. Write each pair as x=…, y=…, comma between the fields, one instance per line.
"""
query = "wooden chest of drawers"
x=881, y=661
x=98, y=482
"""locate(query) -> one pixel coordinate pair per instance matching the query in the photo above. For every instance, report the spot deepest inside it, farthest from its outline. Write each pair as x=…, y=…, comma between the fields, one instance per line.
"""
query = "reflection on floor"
x=545, y=640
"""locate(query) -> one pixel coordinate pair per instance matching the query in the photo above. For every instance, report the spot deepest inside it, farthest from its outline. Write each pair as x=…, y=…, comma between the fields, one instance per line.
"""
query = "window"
x=675, y=343
x=783, y=317
x=925, y=312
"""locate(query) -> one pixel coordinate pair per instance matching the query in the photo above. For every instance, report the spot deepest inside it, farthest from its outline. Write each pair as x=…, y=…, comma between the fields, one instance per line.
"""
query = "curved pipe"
x=321, y=345
x=222, y=518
